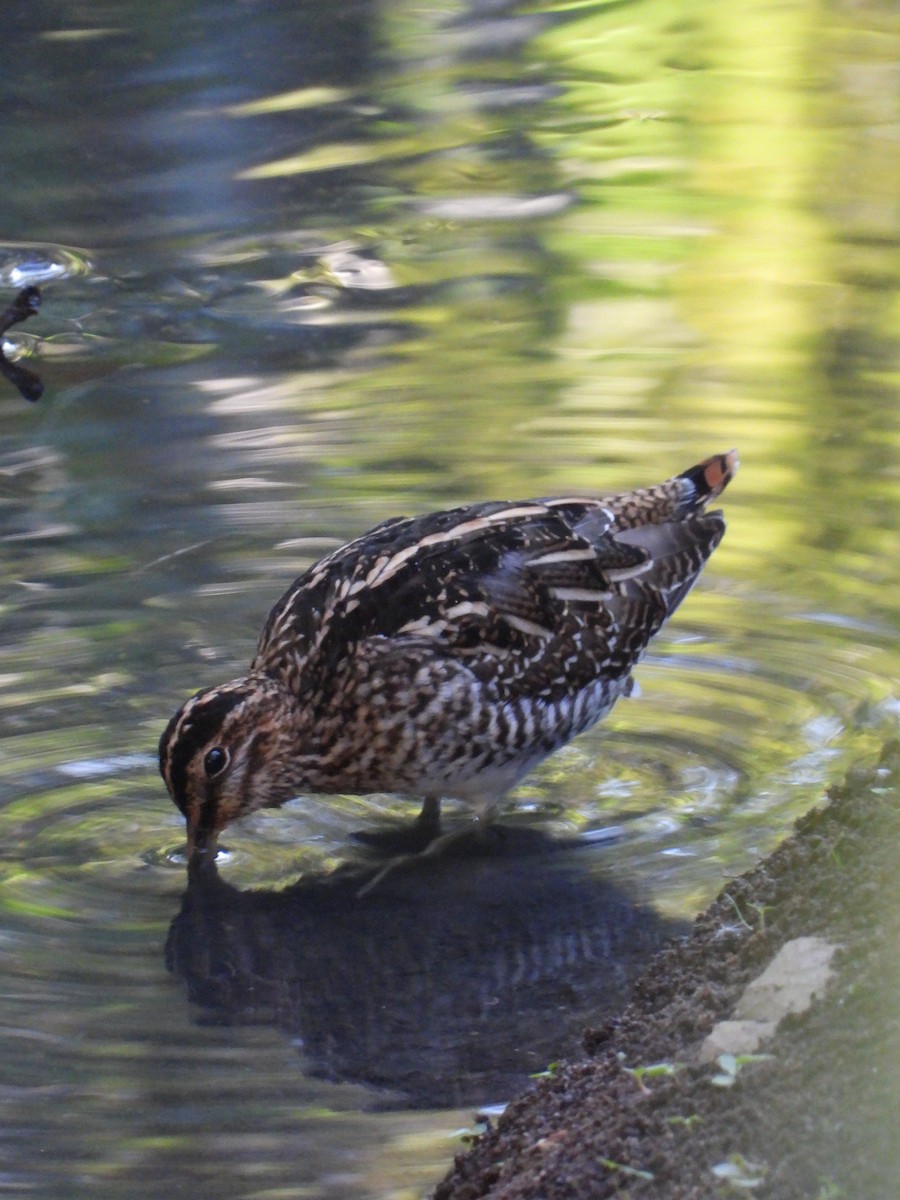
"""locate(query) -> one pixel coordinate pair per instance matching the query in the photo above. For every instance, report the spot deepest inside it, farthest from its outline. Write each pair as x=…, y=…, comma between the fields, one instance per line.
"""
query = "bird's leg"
x=438, y=844
x=407, y=839
x=429, y=819
x=485, y=814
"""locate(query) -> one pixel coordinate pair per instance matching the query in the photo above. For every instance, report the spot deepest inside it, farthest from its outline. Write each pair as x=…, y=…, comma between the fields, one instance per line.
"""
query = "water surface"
x=305, y=270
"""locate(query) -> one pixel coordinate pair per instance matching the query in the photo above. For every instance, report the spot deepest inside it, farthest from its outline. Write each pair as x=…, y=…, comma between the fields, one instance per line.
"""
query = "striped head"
x=227, y=752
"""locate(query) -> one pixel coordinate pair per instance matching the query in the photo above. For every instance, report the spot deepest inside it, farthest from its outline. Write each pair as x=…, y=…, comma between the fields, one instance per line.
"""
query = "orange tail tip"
x=713, y=475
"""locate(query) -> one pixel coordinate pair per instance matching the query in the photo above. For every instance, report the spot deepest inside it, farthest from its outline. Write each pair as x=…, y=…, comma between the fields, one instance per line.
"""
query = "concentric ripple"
x=34, y=263
x=401, y=260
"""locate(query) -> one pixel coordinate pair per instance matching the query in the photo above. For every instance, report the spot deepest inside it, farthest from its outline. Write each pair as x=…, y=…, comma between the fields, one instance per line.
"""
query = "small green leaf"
x=635, y=1172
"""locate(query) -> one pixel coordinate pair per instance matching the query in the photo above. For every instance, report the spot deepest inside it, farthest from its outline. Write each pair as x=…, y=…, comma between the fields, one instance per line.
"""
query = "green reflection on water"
x=620, y=237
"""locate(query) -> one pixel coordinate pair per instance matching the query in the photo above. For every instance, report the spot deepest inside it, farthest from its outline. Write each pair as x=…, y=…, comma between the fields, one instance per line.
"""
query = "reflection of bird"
x=407, y=992
x=445, y=655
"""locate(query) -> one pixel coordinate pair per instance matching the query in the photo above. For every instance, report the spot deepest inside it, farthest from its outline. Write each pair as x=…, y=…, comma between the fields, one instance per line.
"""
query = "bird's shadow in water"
x=446, y=984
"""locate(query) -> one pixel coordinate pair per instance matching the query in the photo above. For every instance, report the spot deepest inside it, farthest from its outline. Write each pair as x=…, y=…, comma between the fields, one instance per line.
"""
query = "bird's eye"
x=215, y=762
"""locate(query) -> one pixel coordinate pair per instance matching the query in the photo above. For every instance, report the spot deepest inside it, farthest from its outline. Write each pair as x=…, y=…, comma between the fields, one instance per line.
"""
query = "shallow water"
x=304, y=271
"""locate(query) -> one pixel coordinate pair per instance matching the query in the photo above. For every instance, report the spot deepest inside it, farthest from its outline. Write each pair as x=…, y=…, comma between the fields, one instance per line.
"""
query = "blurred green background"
x=306, y=267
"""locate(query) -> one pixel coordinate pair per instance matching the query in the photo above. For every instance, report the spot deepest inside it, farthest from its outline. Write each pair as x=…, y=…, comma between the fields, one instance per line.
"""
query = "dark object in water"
x=25, y=305
x=446, y=985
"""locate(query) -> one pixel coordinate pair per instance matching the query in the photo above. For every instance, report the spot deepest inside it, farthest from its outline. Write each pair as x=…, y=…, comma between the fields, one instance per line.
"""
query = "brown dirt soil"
x=819, y=1120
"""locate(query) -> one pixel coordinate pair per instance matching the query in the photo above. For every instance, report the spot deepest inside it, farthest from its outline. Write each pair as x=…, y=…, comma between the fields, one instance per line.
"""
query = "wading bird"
x=444, y=655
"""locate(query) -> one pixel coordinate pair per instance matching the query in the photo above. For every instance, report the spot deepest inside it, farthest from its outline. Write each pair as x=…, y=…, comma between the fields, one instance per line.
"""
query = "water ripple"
x=30, y=263
x=497, y=208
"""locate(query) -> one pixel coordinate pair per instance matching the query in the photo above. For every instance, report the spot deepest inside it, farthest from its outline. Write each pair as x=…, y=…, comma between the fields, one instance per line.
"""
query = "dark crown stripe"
x=200, y=718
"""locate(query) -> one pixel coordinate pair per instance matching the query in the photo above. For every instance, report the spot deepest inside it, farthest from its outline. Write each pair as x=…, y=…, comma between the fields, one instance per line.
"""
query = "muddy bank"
x=819, y=1119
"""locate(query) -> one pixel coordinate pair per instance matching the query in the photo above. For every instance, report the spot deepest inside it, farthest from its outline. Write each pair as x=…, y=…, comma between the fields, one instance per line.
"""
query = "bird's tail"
x=711, y=477
x=677, y=498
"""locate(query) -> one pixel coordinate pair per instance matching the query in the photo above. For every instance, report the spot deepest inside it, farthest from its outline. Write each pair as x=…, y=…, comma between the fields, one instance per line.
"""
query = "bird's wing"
x=530, y=595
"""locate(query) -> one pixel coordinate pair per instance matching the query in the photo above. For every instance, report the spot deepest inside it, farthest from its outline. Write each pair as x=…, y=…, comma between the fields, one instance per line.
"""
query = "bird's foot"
x=467, y=840
x=399, y=840
x=405, y=839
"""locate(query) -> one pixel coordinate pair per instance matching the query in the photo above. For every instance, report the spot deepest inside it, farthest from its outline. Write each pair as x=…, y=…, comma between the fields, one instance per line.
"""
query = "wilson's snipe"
x=445, y=655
